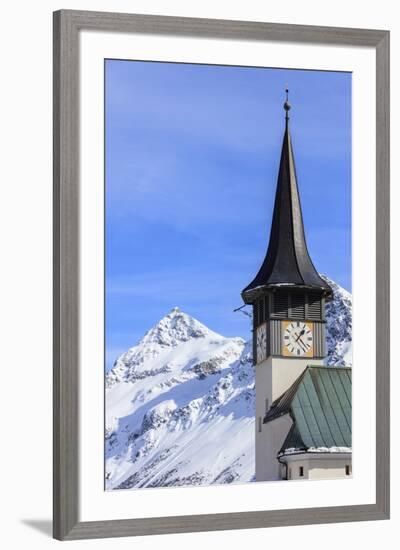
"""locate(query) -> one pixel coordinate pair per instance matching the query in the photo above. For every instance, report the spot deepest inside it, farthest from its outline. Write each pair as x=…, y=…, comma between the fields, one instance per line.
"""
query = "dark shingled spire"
x=287, y=260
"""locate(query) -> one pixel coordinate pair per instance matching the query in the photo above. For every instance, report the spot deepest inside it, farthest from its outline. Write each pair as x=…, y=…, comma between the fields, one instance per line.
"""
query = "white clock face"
x=298, y=339
x=261, y=343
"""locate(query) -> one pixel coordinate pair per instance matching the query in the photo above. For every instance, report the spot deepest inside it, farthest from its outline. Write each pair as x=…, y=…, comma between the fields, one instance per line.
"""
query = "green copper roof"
x=319, y=403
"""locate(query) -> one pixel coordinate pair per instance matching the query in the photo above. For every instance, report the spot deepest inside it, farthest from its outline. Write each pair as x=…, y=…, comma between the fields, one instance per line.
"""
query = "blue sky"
x=192, y=154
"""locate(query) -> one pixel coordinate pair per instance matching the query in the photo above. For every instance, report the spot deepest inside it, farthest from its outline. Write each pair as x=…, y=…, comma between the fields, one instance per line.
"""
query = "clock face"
x=297, y=339
x=261, y=343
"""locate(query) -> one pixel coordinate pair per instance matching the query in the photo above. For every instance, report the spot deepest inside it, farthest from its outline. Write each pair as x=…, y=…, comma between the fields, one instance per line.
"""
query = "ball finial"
x=287, y=105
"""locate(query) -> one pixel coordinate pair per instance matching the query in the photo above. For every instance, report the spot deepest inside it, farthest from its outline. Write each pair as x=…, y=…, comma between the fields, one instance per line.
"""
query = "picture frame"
x=68, y=24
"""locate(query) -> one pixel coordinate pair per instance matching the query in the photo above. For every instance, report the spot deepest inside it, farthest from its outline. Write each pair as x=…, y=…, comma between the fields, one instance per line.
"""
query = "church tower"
x=288, y=298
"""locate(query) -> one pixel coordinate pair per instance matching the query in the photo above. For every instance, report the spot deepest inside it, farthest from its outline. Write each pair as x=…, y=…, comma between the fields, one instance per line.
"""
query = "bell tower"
x=288, y=298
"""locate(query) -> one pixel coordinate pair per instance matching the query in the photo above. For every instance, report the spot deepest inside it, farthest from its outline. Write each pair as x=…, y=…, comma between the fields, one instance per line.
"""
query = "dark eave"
x=287, y=261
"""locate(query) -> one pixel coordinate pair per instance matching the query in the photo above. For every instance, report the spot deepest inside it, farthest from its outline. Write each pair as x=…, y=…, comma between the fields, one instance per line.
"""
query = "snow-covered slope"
x=180, y=404
x=180, y=408
x=338, y=314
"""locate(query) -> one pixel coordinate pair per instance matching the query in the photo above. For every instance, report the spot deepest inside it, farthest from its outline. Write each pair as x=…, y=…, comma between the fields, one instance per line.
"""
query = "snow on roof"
x=293, y=450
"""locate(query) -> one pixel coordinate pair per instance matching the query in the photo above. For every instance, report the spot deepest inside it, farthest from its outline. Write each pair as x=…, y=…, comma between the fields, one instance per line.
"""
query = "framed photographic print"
x=221, y=274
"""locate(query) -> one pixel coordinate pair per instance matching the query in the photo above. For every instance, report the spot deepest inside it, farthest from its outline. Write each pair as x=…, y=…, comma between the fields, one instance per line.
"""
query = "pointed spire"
x=287, y=261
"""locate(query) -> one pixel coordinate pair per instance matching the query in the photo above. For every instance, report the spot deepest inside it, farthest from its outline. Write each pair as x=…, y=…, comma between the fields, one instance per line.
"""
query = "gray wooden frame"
x=67, y=25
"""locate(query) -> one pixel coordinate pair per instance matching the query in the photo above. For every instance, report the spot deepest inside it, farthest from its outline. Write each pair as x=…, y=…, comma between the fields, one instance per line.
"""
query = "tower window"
x=348, y=470
x=266, y=306
x=298, y=306
x=255, y=314
x=261, y=311
x=266, y=405
x=259, y=423
x=301, y=471
x=281, y=305
x=314, y=307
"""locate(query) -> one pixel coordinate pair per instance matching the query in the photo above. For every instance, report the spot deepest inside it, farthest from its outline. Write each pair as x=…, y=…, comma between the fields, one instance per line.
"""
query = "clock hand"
x=300, y=334
x=303, y=344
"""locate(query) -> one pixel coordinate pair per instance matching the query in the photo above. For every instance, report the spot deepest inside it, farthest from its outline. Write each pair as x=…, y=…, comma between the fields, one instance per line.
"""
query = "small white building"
x=306, y=433
x=303, y=409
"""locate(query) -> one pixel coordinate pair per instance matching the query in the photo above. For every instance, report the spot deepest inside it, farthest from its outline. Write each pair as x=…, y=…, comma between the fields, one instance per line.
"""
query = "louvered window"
x=266, y=306
x=280, y=305
x=314, y=307
x=255, y=314
x=262, y=311
x=298, y=306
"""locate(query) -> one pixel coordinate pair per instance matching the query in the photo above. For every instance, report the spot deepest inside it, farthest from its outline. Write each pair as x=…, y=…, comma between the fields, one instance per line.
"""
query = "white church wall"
x=276, y=374
x=269, y=442
x=286, y=371
x=318, y=466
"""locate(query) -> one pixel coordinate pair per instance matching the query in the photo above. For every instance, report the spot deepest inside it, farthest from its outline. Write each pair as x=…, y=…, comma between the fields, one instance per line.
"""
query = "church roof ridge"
x=331, y=367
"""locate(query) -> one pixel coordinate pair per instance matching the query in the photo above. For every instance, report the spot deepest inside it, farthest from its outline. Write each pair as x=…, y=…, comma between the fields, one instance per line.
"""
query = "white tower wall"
x=273, y=377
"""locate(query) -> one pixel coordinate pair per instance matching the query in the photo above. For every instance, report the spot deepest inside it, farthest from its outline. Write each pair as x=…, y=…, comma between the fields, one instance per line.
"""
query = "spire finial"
x=287, y=105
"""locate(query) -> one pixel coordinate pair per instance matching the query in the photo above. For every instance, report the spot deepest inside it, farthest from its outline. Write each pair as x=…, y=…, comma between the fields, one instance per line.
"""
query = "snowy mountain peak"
x=153, y=353
x=174, y=328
